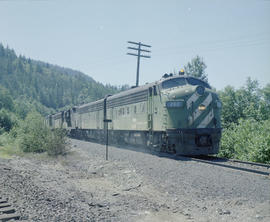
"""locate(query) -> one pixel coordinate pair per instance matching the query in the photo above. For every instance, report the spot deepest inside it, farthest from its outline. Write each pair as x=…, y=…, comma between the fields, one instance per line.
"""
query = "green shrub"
x=57, y=143
x=249, y=140
x=34, y=136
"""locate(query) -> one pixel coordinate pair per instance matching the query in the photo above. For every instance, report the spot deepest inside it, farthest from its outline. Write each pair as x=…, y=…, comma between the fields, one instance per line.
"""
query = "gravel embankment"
x=131, y=186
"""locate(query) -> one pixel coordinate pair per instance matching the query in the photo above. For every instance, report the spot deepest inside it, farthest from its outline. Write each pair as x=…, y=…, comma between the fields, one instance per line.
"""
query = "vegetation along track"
x=7, y=212
x=256, y=168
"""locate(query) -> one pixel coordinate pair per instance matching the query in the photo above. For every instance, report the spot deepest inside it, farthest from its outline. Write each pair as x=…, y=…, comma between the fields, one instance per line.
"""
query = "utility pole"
x=139, y=55
x=106, y=121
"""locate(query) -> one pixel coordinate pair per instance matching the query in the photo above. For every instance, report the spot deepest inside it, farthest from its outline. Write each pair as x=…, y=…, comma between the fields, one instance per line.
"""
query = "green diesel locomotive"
x=178, y=114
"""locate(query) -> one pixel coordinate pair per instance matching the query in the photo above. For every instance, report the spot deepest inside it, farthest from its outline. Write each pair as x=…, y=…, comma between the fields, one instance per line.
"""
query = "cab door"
x=150, y=109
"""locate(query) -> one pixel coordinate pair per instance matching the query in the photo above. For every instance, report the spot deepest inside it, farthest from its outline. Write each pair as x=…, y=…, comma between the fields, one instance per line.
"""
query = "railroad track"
x=7, y=212
x=256, y=168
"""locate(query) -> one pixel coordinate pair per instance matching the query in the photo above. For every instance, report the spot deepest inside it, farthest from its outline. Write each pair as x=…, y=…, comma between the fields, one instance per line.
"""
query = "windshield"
x=173, y=83
x=194, y=82
x=183, y=81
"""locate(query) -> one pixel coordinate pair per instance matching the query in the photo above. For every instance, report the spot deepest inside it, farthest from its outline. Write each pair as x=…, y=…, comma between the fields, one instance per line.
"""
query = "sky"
x=232, y=37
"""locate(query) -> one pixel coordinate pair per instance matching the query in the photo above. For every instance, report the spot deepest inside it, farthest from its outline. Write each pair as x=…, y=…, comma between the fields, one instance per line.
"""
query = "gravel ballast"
x=131, y=186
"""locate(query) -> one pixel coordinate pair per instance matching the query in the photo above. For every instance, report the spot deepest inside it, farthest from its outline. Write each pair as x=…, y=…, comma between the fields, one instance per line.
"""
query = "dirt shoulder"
x=131, y=186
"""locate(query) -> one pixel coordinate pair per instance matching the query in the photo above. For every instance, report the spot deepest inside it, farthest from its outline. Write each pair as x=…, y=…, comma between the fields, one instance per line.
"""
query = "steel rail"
x=221, y=164
x=250, y=163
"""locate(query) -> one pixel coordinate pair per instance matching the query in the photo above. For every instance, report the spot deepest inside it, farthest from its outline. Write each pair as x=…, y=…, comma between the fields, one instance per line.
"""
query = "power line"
x=214, y=46
x=225, y=42
x=259, y=39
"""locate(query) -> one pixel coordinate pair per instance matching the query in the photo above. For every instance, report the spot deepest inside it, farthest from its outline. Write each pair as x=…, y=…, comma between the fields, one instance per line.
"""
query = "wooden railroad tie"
x=7, y=212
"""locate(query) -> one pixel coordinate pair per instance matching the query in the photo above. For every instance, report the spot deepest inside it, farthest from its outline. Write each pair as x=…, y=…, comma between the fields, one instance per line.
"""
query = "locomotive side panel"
x=128, y=111
x=128, y=117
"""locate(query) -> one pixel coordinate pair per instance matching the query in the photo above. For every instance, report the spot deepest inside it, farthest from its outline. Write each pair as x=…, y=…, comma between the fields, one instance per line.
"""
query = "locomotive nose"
x=180, y=93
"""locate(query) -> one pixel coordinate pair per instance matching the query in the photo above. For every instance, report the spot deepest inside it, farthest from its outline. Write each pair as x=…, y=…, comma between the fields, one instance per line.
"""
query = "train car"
x=57, y=120
x=178, y=114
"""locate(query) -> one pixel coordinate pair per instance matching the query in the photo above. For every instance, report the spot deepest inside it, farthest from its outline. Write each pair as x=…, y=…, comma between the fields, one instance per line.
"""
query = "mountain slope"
x=50, y=85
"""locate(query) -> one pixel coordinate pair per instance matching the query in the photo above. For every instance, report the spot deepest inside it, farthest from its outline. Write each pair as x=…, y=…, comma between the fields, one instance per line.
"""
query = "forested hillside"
x=46, y=87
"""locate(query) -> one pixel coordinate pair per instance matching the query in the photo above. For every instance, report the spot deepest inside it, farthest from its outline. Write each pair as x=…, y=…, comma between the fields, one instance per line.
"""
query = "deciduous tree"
x=196, y=68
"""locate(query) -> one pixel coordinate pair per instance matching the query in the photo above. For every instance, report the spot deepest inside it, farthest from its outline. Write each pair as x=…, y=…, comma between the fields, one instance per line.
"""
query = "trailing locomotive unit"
x=177, y=114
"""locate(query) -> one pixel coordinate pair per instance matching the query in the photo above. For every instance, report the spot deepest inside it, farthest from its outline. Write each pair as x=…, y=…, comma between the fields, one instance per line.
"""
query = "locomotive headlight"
x=174, y=104
x=219, y=104
x=200, y=90
x=202, y=107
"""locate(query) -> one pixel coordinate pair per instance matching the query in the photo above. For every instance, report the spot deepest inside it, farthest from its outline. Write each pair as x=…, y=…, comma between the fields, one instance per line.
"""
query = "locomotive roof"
x=133, y=90
x=91, y=103
x=144, y=87
x=124, y=93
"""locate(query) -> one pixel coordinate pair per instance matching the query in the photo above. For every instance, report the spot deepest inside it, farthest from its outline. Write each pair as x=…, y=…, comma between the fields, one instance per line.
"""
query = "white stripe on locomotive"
x=206, y=103
x=193, y=99
x=207, y=119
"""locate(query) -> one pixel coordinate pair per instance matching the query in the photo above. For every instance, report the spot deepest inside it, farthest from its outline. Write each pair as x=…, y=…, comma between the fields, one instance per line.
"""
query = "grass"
x=9, y=151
